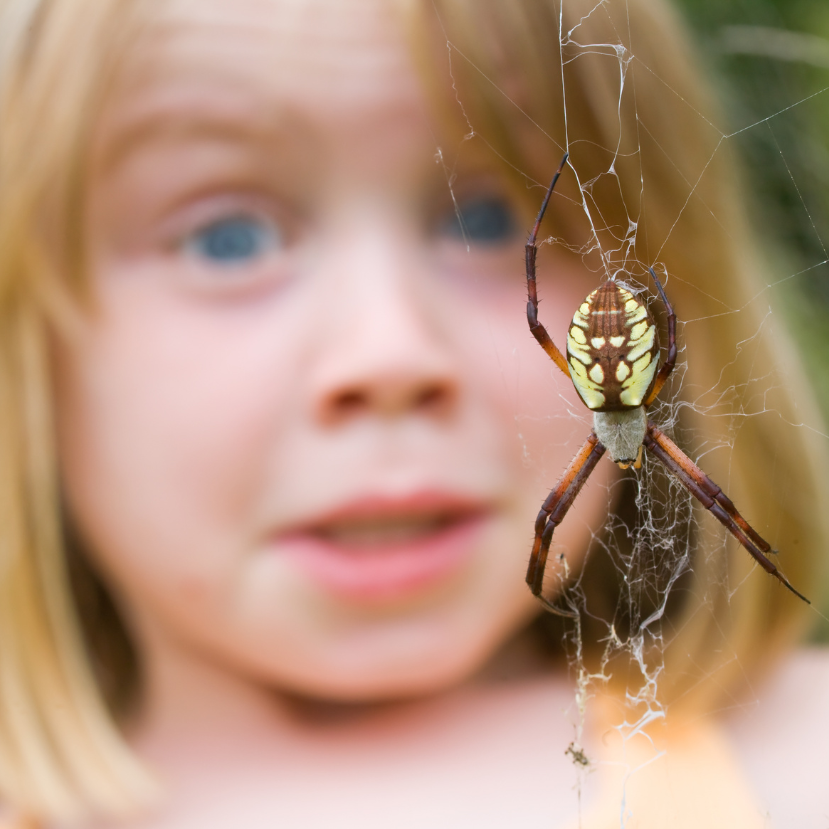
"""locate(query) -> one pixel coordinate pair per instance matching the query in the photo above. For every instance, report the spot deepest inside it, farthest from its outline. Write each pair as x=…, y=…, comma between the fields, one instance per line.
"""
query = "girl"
x=275, y=432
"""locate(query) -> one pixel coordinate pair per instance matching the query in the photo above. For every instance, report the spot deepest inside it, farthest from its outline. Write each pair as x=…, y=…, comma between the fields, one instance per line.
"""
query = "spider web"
x=652, y=551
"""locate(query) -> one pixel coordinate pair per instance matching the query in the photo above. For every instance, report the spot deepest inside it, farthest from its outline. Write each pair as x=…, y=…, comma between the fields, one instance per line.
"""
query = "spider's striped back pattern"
x=612, y=349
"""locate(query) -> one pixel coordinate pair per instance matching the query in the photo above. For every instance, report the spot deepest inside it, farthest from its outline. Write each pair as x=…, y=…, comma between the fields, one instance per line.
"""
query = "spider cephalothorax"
x=612, y=359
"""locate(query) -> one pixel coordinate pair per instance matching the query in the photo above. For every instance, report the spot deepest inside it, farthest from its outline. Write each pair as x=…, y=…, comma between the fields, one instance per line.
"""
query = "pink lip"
x=394, y=568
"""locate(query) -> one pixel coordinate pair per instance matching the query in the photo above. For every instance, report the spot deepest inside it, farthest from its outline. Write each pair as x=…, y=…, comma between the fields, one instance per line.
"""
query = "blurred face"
x=307, y=432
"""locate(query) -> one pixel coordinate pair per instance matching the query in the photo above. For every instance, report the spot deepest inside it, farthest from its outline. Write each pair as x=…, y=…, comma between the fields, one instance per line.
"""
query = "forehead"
x=268, y=63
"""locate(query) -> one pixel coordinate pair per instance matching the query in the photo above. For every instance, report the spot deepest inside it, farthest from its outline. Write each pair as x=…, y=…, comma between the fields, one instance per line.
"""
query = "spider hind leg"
x=713, y=499
x=552, y=513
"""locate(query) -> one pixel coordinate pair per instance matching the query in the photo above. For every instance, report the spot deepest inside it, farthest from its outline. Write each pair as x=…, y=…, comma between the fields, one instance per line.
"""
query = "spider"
x=612, y=358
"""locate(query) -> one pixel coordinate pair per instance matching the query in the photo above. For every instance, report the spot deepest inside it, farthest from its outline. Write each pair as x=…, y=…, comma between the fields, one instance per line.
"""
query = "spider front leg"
x=555, y=507
x=670, y=360
x=713, y=499
x=530, y=251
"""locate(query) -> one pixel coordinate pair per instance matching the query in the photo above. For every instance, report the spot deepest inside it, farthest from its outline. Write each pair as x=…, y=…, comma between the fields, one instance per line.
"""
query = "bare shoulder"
x=781, y=736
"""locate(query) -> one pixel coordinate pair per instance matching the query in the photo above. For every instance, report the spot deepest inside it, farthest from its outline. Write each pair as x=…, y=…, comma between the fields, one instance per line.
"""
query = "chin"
x=381, y=686
x=411, y=666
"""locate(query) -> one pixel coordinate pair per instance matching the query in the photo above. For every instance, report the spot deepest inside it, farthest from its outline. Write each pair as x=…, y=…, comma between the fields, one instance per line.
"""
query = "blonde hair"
x=61, y=753
x=617, y=86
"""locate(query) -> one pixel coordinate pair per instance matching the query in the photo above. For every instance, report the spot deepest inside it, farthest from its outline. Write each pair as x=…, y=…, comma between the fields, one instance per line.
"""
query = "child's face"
x=308, y=432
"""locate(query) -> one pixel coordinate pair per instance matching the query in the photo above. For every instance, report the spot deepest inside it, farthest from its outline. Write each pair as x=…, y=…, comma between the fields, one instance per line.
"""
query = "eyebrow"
x=208, y=121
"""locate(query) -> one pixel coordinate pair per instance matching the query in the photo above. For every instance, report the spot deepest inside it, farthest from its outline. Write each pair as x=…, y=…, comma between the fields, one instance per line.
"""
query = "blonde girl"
x=275, y=433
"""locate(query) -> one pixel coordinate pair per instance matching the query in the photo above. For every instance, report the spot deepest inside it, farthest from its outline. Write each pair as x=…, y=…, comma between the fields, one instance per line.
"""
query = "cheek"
x=164, y=426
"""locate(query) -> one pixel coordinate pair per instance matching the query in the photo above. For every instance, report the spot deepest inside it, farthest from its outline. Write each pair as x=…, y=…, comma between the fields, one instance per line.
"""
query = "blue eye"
x=486, y=220
x=233, y=241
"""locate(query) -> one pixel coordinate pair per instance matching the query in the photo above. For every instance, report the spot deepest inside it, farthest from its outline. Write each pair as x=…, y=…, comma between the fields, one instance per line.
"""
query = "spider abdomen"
x=612, y=349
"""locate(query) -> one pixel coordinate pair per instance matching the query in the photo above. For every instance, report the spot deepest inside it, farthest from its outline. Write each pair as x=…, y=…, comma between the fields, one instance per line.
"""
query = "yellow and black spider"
x=612, y=357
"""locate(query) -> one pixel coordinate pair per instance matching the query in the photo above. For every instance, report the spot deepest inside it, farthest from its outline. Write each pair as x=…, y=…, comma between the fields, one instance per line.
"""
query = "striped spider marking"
x=612, y=349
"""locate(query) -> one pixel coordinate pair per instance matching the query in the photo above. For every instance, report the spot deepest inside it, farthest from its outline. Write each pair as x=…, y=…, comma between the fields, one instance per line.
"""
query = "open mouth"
x=386, y=551
x=369, y=535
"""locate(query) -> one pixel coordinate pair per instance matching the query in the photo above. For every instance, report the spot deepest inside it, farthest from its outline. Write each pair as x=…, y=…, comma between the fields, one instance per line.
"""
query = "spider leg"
x=713, y=499
x=553, y=511
x=670, y=360
x=530, y=250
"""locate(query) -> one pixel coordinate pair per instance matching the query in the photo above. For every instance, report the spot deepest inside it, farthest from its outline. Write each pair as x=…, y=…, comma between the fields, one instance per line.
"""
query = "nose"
x=387, y=349
x=382, y=391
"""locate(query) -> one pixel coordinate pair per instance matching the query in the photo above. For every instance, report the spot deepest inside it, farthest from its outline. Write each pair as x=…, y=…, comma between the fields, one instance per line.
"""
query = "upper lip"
x=382, y=508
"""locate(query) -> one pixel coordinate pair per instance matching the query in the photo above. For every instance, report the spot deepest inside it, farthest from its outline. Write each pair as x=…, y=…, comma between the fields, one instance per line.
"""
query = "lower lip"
x=382, y=573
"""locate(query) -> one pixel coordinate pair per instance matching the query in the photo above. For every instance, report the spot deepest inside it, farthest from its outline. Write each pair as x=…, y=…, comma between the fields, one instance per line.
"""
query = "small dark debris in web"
x=578, y=755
